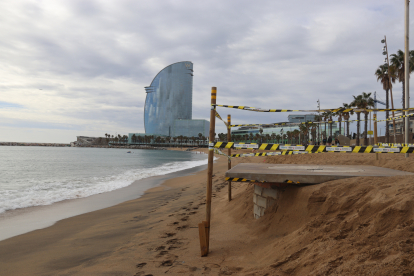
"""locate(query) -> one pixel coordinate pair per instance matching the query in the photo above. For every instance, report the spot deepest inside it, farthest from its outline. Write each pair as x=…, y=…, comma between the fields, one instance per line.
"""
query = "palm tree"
x=273, y=137
x=397, y=60
x=339, y=114
x=278, y=138
x=325, y=117
x=330, y=114
x=382, y=75
x=363, y=101
x=261, y=133
x=346, y=117
x=318, y=118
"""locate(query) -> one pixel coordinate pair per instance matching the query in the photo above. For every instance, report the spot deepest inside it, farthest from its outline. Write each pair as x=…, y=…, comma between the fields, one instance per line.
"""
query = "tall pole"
x=392, y=101
x=407, y=72
x=204, y=227
x=319, y=122
x=229, y=150
x=375, y=133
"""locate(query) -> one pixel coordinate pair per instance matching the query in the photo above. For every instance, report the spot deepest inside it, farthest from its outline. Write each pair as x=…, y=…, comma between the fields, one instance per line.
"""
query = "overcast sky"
x=72, y=67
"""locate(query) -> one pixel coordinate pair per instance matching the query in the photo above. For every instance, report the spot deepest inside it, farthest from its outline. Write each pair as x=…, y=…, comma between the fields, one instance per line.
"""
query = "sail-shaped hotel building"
x=169, y=103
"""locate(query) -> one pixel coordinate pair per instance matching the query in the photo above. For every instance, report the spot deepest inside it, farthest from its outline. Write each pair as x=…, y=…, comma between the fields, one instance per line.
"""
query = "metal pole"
x=375, y=134
x=319, y=123
x=407, y=72
x=204, y=227
x=392, y=101
x=229, y=151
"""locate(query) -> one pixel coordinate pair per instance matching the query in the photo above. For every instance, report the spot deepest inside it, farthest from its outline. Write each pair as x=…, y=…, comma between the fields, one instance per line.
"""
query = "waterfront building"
x=399, y=123
x=168, y=104
x=293, y=123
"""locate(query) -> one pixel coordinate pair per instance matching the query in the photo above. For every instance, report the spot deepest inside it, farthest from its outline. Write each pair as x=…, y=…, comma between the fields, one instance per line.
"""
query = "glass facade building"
x=168, y=105
x=190, y=128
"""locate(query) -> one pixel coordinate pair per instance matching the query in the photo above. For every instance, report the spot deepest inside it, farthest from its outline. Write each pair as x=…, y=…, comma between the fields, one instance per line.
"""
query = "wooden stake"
x=229, y=150
x=210, y=171
x=203, y=238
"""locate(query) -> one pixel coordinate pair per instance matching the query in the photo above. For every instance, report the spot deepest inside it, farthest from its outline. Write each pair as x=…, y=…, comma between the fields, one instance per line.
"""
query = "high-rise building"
x=168, y=105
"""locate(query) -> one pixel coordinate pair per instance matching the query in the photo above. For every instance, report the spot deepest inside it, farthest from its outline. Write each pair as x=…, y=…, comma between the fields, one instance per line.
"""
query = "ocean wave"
x=48, y=192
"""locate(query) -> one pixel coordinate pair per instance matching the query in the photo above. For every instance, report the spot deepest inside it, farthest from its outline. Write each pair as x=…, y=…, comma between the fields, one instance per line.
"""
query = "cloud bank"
x=79, y=67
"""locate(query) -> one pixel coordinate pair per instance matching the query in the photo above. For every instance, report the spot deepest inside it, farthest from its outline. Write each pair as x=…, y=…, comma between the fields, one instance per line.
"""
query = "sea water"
x=35, y=176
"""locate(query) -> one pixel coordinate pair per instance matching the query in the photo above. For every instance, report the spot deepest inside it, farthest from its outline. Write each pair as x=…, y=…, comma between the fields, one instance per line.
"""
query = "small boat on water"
x=128, y=152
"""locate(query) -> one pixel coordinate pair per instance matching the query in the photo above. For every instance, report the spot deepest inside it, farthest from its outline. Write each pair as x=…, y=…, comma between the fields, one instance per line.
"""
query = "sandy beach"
x=358, y=226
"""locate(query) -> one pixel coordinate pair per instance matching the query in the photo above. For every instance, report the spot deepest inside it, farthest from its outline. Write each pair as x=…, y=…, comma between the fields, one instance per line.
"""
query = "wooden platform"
x=306, y=174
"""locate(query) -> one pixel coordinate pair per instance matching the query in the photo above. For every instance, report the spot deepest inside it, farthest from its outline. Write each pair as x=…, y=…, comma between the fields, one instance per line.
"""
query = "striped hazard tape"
x=303, y=123
x=311, y=148
x=235, y=179
x=343, y=110
x=219, y=117
x=290, y=152
x=395, y=145
x=397, y=117
x=230, y=145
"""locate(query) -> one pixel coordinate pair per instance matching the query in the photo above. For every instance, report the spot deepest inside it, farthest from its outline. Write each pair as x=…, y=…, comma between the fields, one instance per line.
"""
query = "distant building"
x=295, y=118
x=399, y=123
x=168, y=105
x=293, y=123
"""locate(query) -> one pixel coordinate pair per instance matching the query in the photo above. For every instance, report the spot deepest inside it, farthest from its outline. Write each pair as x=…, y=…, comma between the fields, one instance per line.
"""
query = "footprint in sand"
x=162, y=253
x=167, y=235
x=174, y=241
x=208, y=267
x=141, y=265
x=167, y=263
x=182, y=227
x=185, y=218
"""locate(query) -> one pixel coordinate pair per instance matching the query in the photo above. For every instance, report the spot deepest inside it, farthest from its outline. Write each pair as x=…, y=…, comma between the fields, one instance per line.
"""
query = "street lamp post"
x=407, y=72
x=319, y=122
x=385, y=52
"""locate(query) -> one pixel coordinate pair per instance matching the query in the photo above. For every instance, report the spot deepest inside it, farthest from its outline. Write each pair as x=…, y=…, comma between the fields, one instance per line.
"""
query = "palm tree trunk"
x=358, y=124
x=330, y=130
x=366, y=129
x=340, y=125
x=347, y=129
x=387, y=114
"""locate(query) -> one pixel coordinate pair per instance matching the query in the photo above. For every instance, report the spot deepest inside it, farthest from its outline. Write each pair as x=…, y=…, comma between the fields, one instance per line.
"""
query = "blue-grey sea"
x=34, y=176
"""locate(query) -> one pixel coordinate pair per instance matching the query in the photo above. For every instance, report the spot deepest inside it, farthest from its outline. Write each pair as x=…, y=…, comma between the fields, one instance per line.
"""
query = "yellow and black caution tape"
x=219, y=117
x=287, y=152
x=311, y=148
x=303, y=123
x=231, y=145
x=395, y=118
x=219, y=152
x=395, y=145
x=341, y=109
x=235, y=179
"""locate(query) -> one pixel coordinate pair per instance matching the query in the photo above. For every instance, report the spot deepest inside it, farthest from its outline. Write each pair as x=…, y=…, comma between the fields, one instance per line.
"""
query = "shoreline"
x=23, y=220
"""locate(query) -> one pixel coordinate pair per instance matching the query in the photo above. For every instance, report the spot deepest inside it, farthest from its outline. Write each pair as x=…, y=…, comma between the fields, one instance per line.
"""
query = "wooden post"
x=205, y=225
x=229, y=150
x=375, y=134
